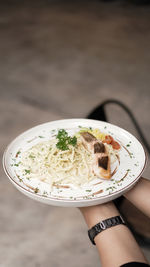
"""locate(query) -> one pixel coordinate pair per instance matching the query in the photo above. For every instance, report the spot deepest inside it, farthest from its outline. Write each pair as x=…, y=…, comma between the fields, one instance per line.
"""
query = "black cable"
x=99, y=114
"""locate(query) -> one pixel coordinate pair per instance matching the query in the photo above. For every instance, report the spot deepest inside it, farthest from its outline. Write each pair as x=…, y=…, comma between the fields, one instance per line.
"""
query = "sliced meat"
x=99, y=148
x=88, y=140
x=88, y=137
x=101, y=160
x=101, y=165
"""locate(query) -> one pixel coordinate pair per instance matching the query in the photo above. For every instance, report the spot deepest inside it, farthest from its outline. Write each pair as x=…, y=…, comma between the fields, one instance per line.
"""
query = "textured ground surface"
x=59, y=60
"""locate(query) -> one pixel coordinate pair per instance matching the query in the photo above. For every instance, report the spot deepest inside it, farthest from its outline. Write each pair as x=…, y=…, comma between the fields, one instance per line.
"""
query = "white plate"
x=126, y=172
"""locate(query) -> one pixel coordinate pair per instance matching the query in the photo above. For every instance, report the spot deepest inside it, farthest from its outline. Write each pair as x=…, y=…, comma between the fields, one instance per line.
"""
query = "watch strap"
x=103, y=225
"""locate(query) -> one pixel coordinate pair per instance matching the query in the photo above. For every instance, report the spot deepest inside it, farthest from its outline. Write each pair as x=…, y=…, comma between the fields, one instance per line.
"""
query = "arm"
x=116, y=245
x=139, y=196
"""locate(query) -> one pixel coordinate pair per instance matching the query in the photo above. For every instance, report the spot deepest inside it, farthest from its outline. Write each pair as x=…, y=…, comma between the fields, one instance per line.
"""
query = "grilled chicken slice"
x=99, y=148
x=88, y=141
x=101, y=159
x=101, y=166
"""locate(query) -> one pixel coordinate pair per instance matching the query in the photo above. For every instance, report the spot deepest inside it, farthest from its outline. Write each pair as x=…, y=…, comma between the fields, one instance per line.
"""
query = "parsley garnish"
x=31, y=156
x=27, y=171
x=64, y=140
x=16, y=164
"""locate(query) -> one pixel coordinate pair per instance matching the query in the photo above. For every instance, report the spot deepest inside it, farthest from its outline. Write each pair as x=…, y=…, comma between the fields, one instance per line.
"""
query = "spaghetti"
x=45, y=162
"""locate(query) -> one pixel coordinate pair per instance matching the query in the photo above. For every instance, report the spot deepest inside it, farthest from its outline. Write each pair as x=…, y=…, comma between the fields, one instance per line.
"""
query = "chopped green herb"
x=62, y=145
x=128, y=170
x=27, y=171
x=31, y=156
x=128, y=145
x=40, y=136
x=16, y=164
x=111, y=188
x=62, y=134
x=88, y=190
x=72, y=140
x=64, y=140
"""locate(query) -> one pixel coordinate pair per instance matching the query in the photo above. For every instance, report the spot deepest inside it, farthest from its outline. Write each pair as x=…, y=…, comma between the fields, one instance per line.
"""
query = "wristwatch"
x=103, y=225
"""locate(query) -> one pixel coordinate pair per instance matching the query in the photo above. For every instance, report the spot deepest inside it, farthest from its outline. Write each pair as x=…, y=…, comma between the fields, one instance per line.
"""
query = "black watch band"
x=103, y=225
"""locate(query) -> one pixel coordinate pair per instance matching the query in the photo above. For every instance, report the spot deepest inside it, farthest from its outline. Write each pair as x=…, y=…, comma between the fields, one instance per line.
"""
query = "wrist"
x=104, y=225
x=95, y=214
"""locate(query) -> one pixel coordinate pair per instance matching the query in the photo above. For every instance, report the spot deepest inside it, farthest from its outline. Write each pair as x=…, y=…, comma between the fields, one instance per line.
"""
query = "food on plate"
x=109, y=140
x=70, y=160
x=101, y=159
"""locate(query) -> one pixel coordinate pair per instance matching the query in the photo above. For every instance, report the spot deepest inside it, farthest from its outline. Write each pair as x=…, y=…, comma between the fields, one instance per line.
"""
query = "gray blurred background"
x=59, y=59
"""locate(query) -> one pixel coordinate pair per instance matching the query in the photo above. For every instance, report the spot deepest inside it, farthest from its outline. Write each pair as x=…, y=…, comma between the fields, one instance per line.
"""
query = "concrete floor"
x=59, y=59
